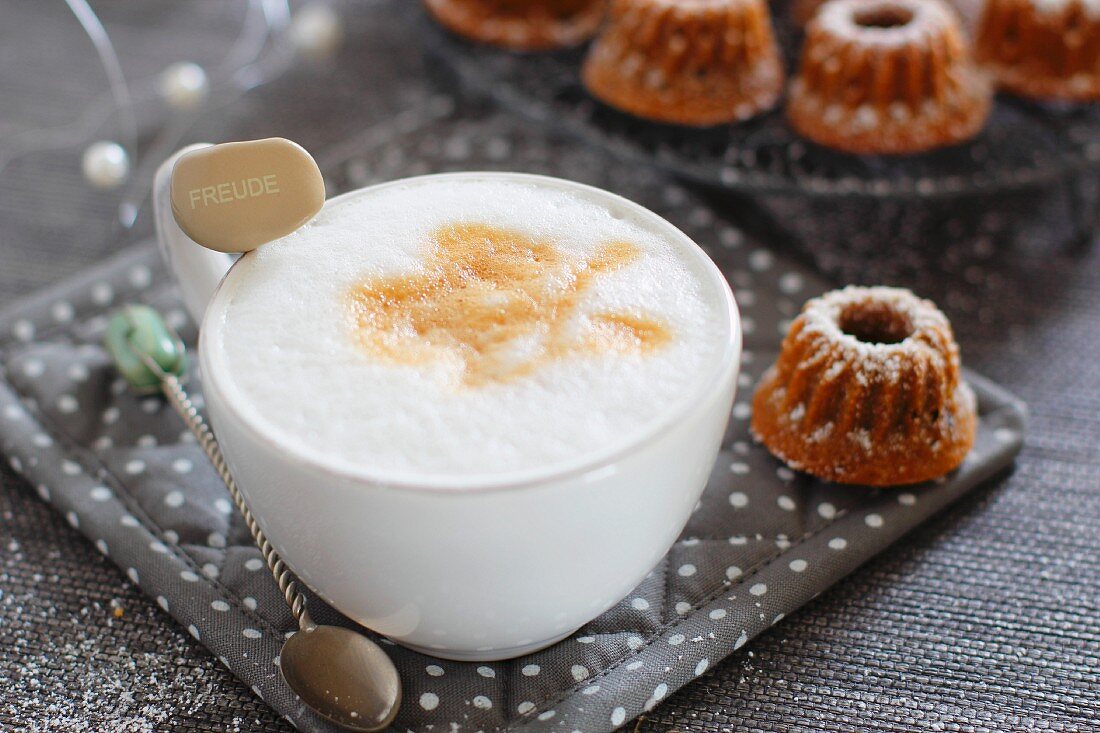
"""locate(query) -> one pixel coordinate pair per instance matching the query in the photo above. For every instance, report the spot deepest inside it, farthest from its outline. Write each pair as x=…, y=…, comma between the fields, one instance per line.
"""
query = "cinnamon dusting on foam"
x=498, y=304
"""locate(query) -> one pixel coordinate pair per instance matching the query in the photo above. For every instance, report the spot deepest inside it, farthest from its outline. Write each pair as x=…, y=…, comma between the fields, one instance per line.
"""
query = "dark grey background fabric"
x=985, y=619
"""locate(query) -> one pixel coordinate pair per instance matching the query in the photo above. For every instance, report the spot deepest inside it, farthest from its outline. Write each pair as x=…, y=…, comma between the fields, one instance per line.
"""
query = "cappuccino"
x=474, y=325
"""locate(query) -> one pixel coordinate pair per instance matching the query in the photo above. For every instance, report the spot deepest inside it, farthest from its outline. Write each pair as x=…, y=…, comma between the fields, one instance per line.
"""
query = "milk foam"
x=294, y=361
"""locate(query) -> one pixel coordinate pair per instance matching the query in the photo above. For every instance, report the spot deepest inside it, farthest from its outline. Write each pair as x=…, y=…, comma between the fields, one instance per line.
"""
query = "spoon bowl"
x=343, y=676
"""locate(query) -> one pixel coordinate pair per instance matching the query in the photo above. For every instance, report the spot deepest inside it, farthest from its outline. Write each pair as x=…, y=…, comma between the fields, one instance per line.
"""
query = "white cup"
x=468, y=571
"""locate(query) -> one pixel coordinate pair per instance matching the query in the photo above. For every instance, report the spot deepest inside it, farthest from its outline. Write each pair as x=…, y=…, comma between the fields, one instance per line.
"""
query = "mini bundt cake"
x=527, y=25
x=1048, y=49
x=687, y=62
x=867, y=390
x=887, y=76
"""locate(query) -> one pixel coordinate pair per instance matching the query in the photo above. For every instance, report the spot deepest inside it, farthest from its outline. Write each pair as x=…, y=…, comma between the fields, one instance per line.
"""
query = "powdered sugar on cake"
x=823, y=315
x=840, y=19
x=1051, y=7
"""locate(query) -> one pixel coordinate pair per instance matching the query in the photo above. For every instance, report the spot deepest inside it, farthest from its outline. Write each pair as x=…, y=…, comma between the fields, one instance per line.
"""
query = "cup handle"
x=198, y=270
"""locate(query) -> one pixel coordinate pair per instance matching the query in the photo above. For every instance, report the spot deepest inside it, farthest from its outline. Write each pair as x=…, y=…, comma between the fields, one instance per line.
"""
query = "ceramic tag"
x=234, y=197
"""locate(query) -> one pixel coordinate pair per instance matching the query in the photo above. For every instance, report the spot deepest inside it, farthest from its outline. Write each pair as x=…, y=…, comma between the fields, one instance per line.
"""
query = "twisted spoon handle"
x=178, y=398
x=151, y=357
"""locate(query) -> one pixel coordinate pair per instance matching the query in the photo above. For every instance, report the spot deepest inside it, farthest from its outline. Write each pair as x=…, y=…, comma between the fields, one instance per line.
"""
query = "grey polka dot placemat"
x=763, y=541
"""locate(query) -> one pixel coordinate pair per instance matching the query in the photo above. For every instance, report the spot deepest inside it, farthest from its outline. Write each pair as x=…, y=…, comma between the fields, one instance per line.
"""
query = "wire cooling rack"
x=1024, y=145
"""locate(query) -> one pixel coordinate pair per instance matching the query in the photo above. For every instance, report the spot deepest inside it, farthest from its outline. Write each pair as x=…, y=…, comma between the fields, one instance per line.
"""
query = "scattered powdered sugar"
x=821, y=433
x=106, y=695
x=862, y=438
x=289, y=344
x=834, y=371
x=866, y=116
x=120, y=689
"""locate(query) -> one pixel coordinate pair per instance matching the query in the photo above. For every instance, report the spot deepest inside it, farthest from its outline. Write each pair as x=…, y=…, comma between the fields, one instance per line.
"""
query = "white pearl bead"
x=315, y=30
x=106, y=164
x=184, y=85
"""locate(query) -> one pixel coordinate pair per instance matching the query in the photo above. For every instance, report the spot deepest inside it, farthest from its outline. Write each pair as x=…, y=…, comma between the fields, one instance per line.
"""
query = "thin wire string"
x=112, y=67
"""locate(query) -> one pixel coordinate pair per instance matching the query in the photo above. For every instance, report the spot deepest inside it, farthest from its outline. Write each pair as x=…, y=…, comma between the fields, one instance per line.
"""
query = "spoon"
x=340, y=674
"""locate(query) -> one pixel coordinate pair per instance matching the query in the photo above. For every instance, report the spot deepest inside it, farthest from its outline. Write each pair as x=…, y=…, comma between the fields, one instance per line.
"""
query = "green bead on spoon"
x=136, y=333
